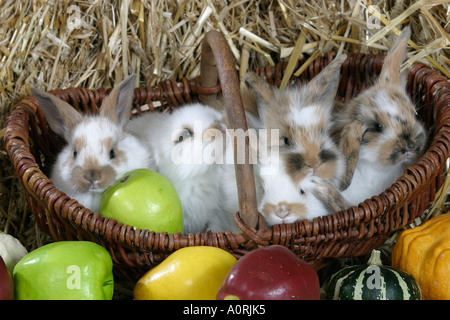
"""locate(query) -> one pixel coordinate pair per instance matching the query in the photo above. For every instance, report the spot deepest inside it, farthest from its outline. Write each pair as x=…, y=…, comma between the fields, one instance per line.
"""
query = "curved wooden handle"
x=217, y=62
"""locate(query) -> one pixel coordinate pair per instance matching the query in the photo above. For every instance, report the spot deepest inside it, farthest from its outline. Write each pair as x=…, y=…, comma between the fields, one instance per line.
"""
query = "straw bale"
x=96, y=43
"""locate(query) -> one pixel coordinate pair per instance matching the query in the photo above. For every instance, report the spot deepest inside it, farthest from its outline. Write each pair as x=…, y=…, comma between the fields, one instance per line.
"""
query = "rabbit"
x=284, y=202
x=300, y=116
x=98, y=150
x=378, y=130
x=189, y=147
x=303, y=165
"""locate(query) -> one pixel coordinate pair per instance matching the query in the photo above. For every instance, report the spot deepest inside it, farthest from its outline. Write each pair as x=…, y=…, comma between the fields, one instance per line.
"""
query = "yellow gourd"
x=424, y=252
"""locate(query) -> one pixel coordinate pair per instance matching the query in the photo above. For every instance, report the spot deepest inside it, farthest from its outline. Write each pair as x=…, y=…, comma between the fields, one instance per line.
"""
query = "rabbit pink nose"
x=282, y=211
x=312, y=170
x=100, y=178
x=92, y=175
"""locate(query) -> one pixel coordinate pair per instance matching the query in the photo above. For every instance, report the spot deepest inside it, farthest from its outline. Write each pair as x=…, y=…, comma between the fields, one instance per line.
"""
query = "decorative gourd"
x=372, y=281
x=424, y=252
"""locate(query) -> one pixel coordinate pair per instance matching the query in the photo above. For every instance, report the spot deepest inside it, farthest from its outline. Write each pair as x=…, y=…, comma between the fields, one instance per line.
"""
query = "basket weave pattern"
x=32, y=147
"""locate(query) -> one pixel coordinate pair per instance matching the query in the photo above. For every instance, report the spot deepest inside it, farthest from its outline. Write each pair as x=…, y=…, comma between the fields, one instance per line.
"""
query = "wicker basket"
x=32, y=147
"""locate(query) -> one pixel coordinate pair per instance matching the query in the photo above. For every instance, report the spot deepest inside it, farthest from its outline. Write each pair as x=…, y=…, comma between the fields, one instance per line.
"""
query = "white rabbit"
x=303, y=165
x=189, y=145
x=98, y=150
x=378, y=130
x=285, y=202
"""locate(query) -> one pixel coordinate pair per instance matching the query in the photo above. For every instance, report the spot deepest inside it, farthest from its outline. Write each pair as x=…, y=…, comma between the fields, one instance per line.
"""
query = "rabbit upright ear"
x=60, y=115
x=323, y=87
x=390, y=72
x=349, y=143
x=264, y=91
x=117, y=105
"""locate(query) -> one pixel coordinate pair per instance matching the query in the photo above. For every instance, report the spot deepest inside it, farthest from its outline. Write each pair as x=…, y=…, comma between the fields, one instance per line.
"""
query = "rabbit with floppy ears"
x=304, y=179
x=378, y=130
x=98, y=150
x=189, y=145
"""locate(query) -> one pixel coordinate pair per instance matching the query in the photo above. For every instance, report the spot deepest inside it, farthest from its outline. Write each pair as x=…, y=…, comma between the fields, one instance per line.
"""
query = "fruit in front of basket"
x=144, y=199
x=372, y=281
x=6, y=282
x=65, y=270
x=98, y=148
x=11, y=250
x=189, y=273
x=270, y=273
x=424, y=252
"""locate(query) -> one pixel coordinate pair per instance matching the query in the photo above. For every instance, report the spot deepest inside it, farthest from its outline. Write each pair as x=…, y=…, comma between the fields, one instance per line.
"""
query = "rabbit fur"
x=308, y=158
x=98, y=149
x=283, y=201
x=189, y=148
x=378, y=130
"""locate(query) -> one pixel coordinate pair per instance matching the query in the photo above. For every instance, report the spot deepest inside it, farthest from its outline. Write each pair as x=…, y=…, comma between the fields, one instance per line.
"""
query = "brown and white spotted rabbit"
x=99, y=150
x=378, y=130
x=299, y=181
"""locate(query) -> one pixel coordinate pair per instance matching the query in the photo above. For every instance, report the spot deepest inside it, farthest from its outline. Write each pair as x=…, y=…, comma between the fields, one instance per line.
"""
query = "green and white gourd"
x=372, y=281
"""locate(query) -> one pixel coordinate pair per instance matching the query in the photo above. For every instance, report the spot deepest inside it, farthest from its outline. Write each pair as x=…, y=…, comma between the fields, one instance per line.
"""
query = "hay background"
x=94, y=44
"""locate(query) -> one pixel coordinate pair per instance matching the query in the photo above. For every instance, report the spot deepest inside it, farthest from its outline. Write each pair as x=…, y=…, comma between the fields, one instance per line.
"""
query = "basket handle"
x=217, y=63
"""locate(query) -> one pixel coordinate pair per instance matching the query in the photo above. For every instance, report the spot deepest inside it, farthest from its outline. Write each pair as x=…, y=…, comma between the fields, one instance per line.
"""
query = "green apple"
x=144, y=199
x=65, y=270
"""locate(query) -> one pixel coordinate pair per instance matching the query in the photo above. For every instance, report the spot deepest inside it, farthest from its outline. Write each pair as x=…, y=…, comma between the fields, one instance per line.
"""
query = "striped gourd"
x=372, y=281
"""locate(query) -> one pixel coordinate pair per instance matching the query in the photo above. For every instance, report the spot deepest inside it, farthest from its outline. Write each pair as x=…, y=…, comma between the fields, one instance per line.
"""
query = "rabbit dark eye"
x=375, y=127
x=378, y=127
x=302, y=192
x=286, y=141
x=184, y=135
x=75, y=153
x=112, y=154
x=327, y=155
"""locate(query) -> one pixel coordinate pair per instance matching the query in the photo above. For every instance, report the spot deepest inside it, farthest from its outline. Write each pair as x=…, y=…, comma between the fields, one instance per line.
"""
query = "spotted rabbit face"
x=301, y=116
x=391, y=133
x=305, y=146
x=95, y=154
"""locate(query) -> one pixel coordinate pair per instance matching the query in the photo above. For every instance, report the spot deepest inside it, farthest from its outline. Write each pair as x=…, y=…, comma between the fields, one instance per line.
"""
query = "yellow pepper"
x=190, y=273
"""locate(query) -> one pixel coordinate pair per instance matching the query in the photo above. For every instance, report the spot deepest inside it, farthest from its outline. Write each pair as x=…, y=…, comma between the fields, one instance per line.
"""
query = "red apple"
x=270, y=273
x=6, y=282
